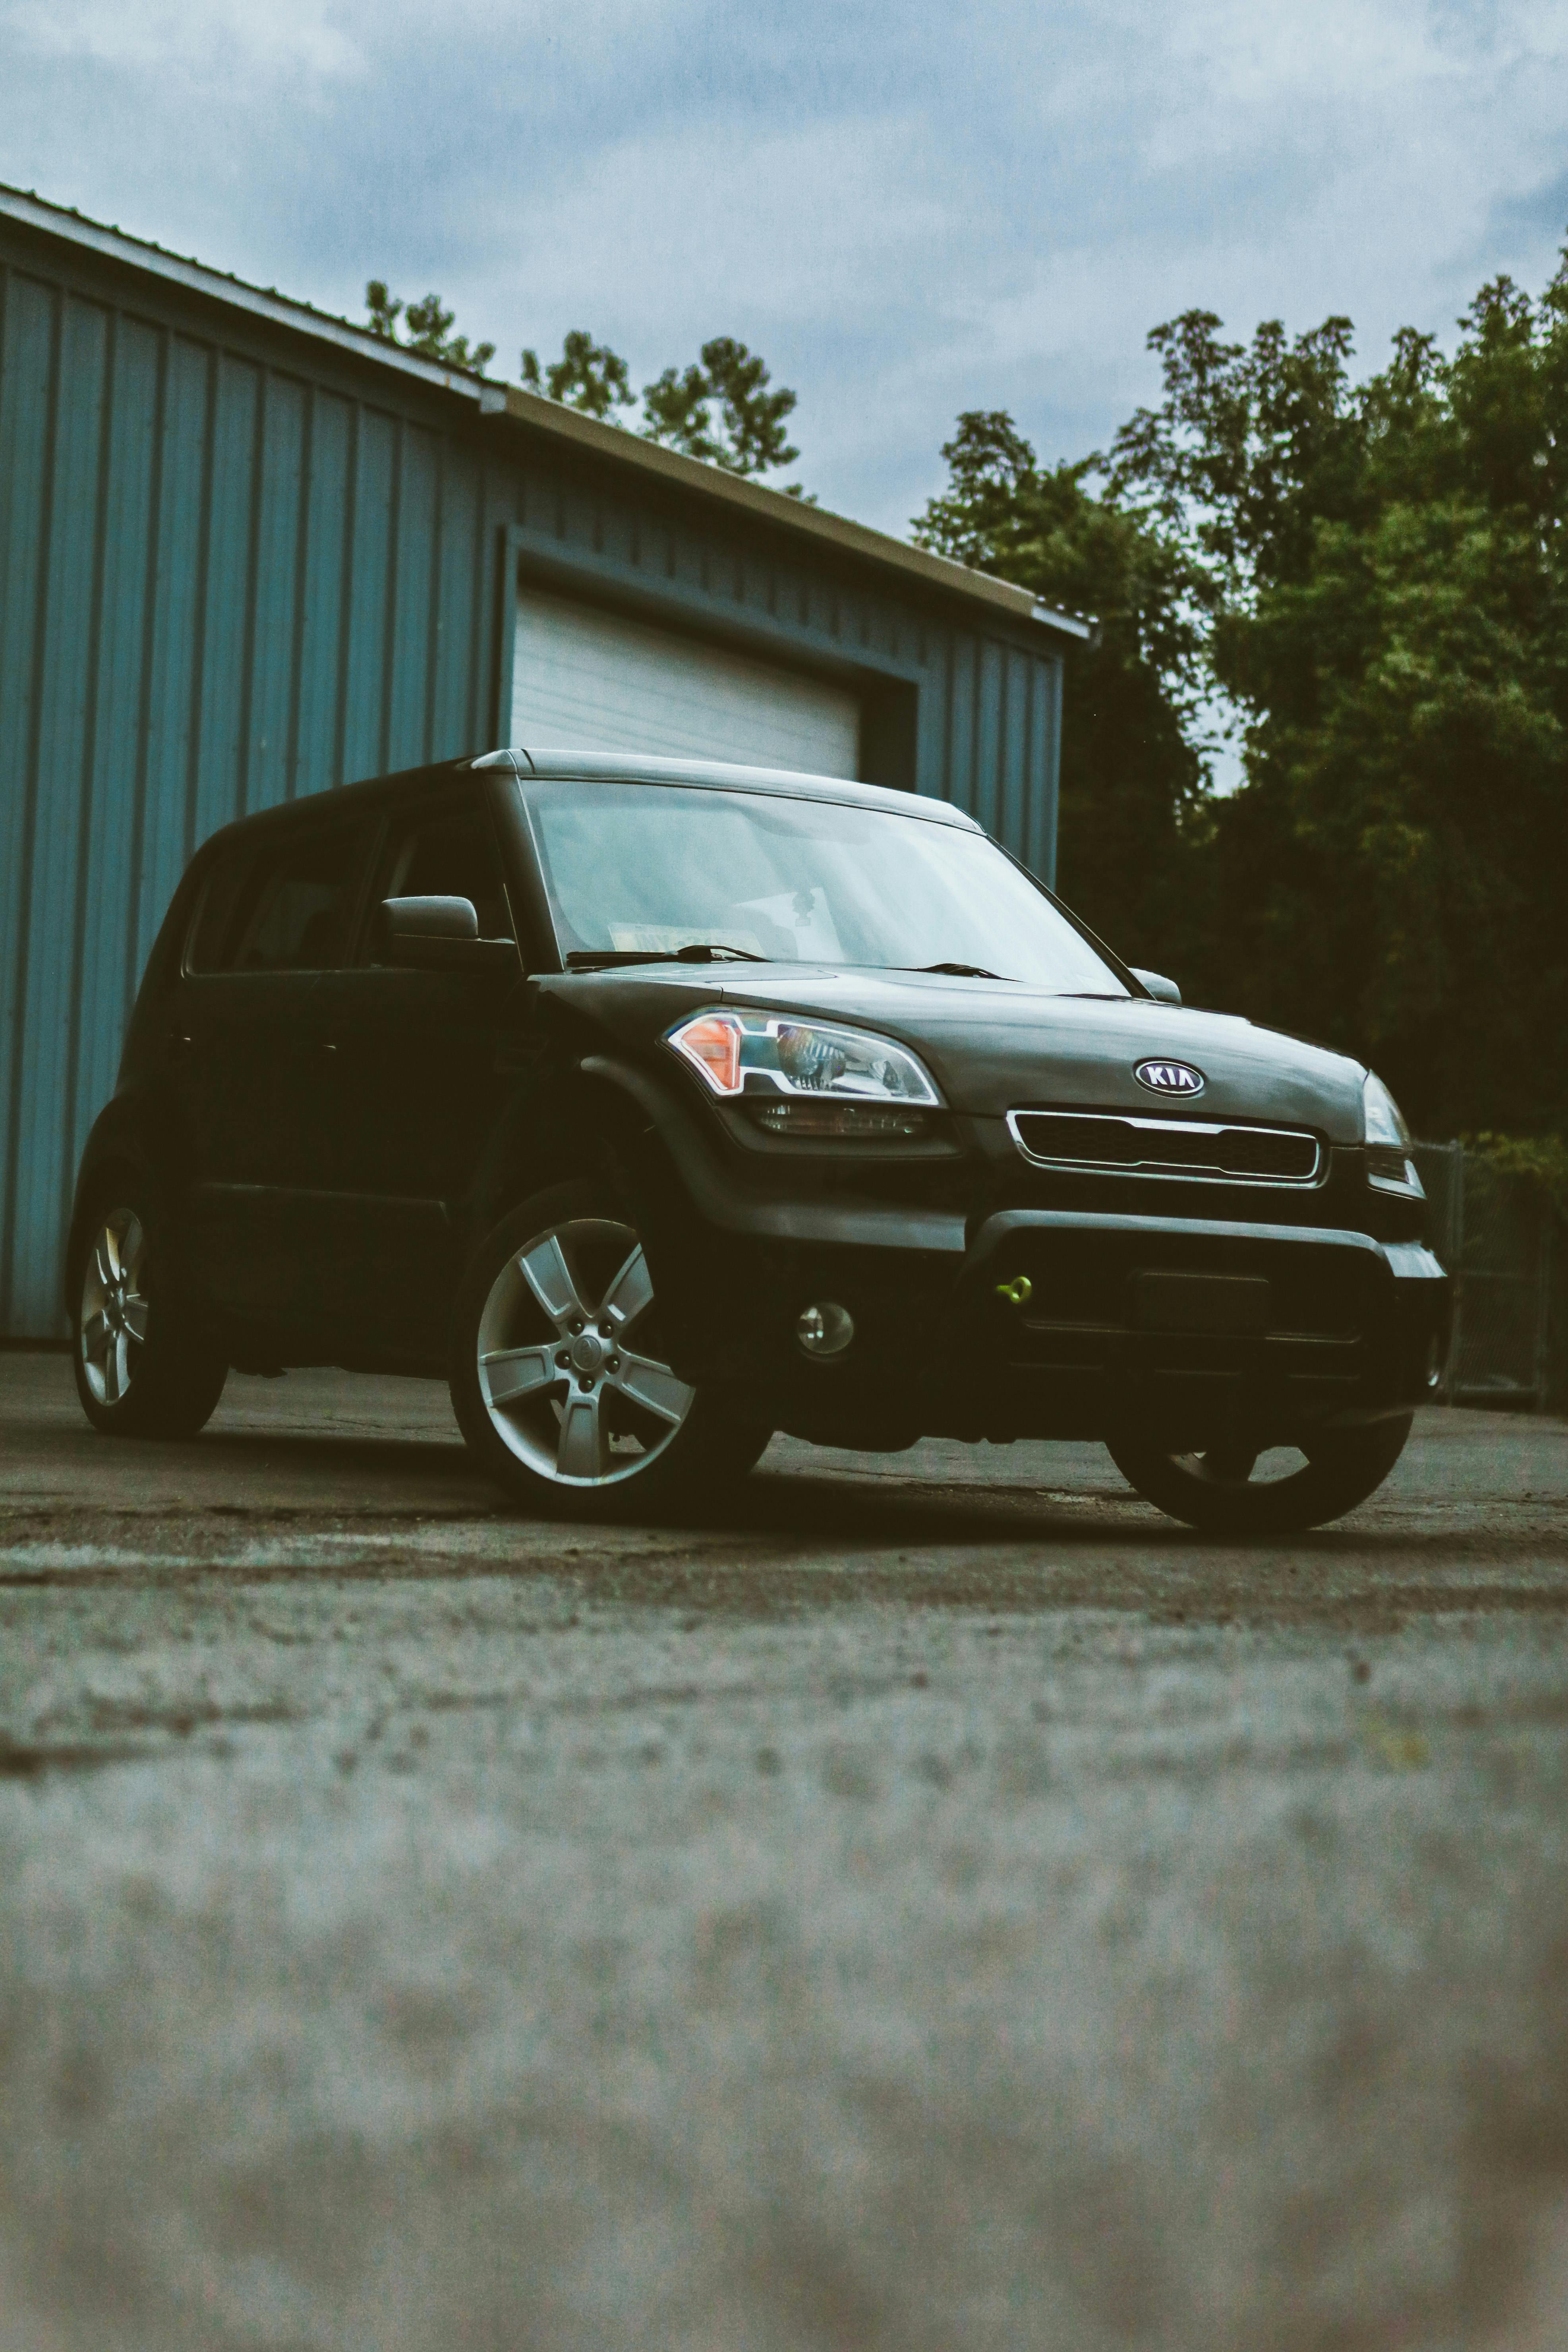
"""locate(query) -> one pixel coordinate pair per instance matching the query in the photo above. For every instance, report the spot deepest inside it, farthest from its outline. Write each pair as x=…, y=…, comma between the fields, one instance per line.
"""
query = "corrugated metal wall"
x=990, y=739
x=235, y=567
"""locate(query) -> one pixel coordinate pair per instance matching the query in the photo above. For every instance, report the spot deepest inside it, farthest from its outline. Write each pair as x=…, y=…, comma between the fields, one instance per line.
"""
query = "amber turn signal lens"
x=712, y=1044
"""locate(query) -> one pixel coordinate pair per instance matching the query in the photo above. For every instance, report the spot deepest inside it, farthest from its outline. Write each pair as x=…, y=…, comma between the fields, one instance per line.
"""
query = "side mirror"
x=1162, y=991
x=439, y=935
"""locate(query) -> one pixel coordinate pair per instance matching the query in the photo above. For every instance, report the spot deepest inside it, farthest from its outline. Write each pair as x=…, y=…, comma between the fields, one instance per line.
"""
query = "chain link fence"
x=1496, y=1234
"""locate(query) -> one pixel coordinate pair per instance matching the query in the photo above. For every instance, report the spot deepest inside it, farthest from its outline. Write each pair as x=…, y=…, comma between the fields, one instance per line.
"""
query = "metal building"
x=248, y=551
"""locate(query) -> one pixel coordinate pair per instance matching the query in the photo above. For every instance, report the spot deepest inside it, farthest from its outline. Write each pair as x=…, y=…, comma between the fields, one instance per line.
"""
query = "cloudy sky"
x=909, y=209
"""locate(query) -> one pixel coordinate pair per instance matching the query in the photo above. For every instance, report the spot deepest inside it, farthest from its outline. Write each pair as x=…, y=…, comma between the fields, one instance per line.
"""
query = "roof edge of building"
x=221, y=286
x=535, y=414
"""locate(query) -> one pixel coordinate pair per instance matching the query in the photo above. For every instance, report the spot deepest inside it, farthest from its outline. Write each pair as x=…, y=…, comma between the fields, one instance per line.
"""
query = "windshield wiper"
x=959, y=971
x=696, y=951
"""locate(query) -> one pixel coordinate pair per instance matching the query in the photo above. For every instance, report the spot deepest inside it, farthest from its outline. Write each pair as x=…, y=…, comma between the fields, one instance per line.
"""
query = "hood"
x=994, y=1046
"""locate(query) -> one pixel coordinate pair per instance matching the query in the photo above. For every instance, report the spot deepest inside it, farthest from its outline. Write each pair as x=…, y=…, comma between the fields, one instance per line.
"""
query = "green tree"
x=588, y=375
x=676, y=412
x=1132, y=782
x=429, y=329
x=747, y=434
x=1383, y=593
x=723, y=407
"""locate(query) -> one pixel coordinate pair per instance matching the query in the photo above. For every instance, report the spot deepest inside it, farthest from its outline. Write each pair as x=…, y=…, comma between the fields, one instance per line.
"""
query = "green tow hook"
x=1016, y=1292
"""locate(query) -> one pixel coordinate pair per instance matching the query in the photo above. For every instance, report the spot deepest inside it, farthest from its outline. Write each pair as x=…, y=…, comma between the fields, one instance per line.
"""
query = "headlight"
x=1389, y=1166
x=815, y=1064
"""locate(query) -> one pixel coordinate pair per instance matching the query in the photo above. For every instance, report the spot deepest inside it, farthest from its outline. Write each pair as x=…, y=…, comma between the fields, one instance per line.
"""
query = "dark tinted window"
x=448, y=856
x=215, y=916
x=282, y=906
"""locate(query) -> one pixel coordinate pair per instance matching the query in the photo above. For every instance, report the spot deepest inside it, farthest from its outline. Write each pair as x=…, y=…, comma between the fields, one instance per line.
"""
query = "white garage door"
x=597, y=682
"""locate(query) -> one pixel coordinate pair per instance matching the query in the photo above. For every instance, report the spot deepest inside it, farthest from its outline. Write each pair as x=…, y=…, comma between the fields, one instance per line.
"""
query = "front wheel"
x=558, y=1375
x=1234, y=1490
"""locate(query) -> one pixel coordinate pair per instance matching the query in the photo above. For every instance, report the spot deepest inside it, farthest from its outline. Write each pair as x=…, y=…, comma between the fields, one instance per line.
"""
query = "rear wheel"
x=1233, y=1490
x=560, y=1379
x=144, y=1368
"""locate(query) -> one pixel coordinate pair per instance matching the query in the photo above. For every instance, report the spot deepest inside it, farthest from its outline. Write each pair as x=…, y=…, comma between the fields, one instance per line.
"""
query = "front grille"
x=1115, y=1143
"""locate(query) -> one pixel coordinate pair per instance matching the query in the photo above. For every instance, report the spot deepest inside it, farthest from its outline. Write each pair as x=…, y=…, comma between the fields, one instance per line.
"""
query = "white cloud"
x=198, y=42
x=804, y=224
x=210, y=42
x=910, y=209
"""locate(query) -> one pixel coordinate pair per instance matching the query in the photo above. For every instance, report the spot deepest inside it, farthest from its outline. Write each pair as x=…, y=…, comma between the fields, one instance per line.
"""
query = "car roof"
x=588, y=768
x=570, y=766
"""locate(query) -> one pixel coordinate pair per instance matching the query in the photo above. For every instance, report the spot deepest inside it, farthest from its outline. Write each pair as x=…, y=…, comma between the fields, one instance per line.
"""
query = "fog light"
x=824, y=1329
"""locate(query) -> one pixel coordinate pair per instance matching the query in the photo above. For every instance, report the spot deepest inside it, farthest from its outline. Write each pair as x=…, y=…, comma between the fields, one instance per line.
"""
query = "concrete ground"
x=939, y=1904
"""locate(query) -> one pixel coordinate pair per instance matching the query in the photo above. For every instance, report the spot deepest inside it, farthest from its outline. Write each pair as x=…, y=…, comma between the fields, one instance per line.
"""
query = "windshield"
x=652, y=868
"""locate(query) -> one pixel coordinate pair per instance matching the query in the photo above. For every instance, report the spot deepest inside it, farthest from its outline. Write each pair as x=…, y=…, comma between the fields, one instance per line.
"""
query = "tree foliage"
x=429, y=329
x=588, y=376
x=1131, y=782
x=722, y=407
x=1539, y=1161
x=723, y=410
x=1384, y=594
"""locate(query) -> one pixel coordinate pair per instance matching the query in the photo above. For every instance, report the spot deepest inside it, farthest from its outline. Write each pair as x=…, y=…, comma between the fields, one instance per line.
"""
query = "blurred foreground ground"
x=939, y=1904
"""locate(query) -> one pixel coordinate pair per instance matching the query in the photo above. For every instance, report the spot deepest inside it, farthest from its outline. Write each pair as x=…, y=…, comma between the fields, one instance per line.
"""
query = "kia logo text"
x=1169, y=1078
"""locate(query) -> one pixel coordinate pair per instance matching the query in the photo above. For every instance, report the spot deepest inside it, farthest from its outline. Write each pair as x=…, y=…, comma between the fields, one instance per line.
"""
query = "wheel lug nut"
x=615, y=1363
x=563, y=1360
x=605, y=1329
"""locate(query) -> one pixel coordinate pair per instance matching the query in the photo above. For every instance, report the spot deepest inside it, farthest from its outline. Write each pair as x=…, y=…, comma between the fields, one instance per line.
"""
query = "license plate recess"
x=1231, y=1304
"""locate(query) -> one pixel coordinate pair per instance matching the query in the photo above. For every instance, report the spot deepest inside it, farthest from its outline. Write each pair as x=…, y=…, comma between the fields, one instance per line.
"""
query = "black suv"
x=659, y=1106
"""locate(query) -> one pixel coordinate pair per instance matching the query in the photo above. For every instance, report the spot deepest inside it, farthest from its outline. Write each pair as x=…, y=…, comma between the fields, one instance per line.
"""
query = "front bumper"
x=1346, y=1328
x=1046, y=1324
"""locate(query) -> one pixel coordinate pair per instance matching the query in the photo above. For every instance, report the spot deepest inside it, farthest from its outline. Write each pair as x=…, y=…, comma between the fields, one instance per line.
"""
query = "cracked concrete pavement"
x=935, y=1902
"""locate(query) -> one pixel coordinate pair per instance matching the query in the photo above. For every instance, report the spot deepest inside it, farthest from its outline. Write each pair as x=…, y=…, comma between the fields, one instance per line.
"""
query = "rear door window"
x=215, y=914
x=282, y=906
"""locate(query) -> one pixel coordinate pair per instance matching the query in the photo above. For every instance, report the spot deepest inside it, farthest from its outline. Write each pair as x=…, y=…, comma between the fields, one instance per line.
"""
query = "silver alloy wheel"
x=563, y=1389
x=113, y=1308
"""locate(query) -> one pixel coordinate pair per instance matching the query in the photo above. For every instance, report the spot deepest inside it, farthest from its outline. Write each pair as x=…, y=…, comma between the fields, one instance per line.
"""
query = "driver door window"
x=448, y=855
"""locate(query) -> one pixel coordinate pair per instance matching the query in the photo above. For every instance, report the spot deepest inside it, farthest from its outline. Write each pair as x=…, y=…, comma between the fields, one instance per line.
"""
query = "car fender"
x=128, y=1133
x=573, y=1120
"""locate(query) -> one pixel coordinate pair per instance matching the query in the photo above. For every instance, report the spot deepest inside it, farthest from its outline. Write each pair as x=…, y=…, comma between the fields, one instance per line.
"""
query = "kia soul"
x=659, y=1106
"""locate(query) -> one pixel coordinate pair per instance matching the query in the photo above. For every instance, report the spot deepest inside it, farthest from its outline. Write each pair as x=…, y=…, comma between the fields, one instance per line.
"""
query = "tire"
x=1217, y=1491
x=553, y=1402
x=143, y=1366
